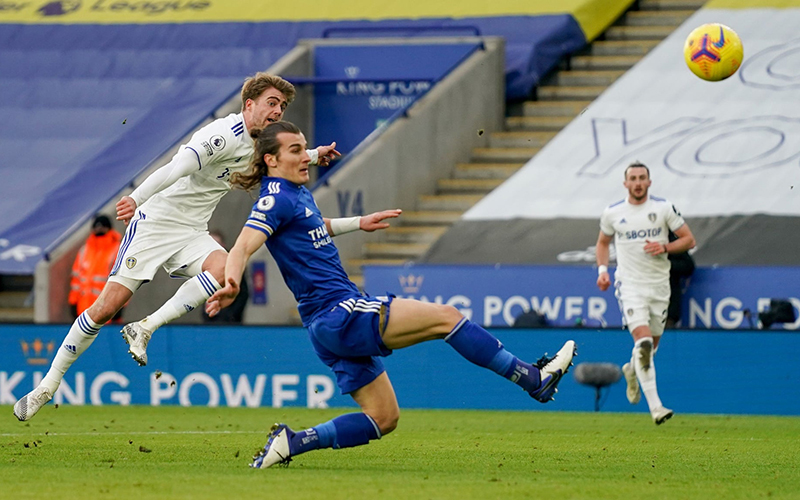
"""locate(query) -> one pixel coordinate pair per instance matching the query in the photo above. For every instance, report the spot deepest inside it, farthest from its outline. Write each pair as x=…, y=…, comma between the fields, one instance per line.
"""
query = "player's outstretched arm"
x=247, y=243
x=368, y=223
x=375, y=221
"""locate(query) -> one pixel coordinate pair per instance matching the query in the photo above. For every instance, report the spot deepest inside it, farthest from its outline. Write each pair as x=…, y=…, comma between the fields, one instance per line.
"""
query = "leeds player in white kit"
x=167, y=219
x=640, y=226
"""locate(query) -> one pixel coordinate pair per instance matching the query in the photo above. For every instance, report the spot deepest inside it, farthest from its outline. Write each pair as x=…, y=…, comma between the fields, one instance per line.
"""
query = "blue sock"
x=346, y=431
x=482, y=348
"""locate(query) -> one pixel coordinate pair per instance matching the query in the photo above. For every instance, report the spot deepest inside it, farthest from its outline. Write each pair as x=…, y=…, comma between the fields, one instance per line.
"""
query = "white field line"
x=131, y=433
x=265, y=432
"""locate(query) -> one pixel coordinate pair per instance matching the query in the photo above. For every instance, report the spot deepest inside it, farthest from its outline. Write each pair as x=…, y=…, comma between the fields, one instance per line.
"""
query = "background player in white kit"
x=168, y=228
x=640, y=226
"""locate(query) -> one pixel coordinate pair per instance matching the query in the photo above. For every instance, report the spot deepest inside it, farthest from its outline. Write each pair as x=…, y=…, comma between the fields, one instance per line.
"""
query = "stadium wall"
x=718, y=372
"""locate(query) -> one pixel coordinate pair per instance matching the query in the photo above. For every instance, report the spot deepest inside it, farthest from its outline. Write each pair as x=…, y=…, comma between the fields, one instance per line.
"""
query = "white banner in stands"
x=713, y=149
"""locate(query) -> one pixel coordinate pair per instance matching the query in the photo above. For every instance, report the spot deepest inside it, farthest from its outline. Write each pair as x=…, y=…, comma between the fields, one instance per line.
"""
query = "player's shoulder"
x=658, y=199
x=617, y=205
x=222, y=132
x=662, y=203
x=277, y=193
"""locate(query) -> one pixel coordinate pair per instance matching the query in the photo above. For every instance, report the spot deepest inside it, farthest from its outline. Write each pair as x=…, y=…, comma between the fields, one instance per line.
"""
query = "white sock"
x=190, y=295
x=81, y=335
x=646, y=370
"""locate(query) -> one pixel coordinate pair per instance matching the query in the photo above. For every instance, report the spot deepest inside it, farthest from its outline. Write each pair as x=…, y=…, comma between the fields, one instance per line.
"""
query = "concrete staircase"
x=16, y=299
x=561, y=97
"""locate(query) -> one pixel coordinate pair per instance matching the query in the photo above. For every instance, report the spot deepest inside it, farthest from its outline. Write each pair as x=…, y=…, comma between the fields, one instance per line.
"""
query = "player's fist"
x=126, y=207
x=603, y=281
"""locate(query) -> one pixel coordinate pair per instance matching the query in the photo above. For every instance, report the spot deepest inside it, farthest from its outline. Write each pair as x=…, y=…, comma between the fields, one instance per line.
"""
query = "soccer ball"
x=713, y=52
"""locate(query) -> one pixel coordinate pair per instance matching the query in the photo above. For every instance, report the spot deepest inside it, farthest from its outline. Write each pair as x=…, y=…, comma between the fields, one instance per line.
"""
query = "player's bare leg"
x=192, y=294
x=412, y=322
x=80, y=336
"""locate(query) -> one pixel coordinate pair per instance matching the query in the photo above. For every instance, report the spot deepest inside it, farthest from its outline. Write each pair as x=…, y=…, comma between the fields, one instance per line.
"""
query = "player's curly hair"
x=266, y=142
x=255, y=85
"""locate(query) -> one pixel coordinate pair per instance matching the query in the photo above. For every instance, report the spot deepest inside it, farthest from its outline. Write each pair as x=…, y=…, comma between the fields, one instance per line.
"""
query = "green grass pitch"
x=173, y=452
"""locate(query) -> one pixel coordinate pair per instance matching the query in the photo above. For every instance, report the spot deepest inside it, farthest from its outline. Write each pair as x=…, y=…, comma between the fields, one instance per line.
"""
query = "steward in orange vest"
x=93, y=264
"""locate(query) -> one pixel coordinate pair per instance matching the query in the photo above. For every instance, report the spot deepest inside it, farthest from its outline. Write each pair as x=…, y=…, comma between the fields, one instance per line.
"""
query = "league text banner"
x=593, y=15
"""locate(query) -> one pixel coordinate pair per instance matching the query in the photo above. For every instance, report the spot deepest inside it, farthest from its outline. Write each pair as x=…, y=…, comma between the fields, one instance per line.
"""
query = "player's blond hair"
x=266, y=142
x=255, y=85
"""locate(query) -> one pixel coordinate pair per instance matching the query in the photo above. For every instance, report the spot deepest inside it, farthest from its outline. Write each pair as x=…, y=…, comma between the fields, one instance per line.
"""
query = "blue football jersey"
x=301, y=246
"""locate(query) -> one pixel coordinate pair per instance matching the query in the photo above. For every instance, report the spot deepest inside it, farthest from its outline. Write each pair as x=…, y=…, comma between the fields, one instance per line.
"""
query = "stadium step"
x=622, y=47
x=464, y=187
x=449, y=201
x=656, y=17
x=16, y=299
x=503, y=155
x=357, y=279
x=486, y=170
x=593, y=62
x=638, y=32
x=551, y=108
x=556, y=93
x=538, y=123
x=586, y=78
x=356, y=266
x=11, y=300
x=671, y=4
x=395, y=250
x=413, y=234
x=431, y=217
x=520, y=139
x=16, y=315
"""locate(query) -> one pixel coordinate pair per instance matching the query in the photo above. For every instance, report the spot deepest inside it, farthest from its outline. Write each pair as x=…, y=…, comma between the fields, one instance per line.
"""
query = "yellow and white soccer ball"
x=713, y=52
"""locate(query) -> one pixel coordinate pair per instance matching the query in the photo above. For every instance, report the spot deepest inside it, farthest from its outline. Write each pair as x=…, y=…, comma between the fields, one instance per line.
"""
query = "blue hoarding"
x=359, y=87
x=566, y=295
x=698, y=372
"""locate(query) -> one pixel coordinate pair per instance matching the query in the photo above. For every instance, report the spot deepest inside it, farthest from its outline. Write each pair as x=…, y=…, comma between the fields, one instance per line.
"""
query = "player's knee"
x=215, y=264
x=450, y=316
x=387, y=421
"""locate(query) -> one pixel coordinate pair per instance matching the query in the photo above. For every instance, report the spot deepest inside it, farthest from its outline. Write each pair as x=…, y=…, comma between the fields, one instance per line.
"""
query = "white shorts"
x=643, y=305
x=148, y=245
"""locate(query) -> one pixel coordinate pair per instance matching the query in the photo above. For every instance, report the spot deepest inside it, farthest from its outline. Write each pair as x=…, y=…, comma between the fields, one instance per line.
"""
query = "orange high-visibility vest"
x=91, y=268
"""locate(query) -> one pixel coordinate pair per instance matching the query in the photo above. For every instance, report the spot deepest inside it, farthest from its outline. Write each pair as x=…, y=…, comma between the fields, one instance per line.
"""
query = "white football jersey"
x=634, y=225
x=222, y=147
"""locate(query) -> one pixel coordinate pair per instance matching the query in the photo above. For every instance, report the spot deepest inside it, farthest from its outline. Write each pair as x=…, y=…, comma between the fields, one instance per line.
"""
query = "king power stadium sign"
x=726, y=298
x=196, y=388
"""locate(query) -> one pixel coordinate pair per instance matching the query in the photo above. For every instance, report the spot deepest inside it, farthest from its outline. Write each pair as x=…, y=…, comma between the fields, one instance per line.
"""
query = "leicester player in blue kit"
x=350, y=332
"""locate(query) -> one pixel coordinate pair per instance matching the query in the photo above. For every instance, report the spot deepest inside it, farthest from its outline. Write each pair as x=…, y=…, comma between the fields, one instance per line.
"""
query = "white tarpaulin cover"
x=727, y=154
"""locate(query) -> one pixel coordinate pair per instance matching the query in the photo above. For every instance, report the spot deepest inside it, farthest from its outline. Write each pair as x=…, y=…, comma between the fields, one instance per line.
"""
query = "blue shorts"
x=347, y=338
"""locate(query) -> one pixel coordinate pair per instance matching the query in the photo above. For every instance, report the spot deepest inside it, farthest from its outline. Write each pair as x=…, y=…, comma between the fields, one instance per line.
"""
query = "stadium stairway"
x=529, y=126
x=16, y=299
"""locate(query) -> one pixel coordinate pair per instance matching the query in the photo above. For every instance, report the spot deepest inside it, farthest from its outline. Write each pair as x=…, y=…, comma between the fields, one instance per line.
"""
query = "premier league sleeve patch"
x=217, y=142
x=266, y=203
